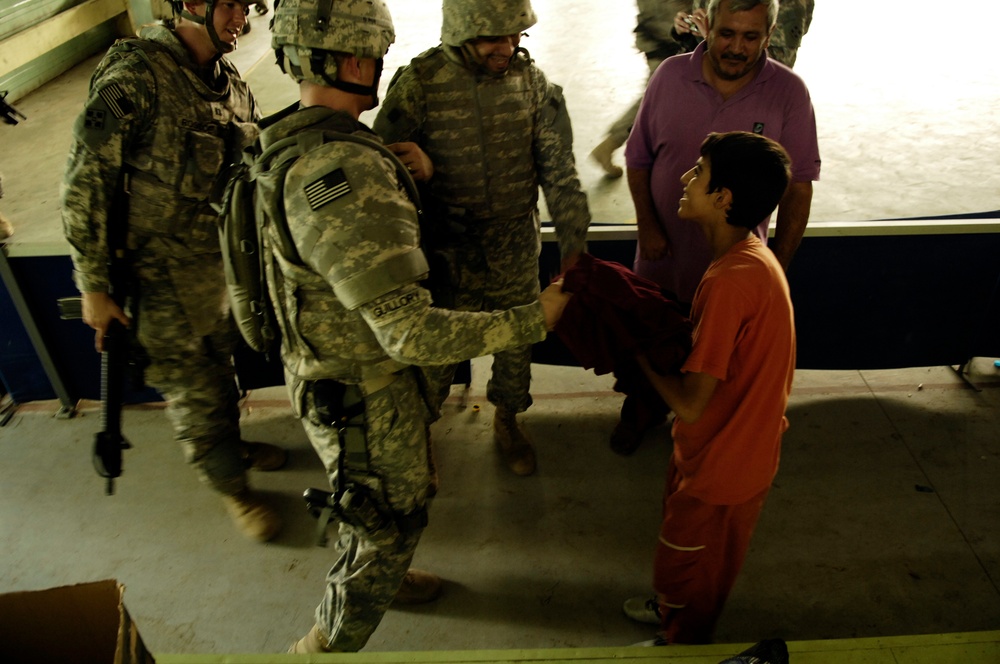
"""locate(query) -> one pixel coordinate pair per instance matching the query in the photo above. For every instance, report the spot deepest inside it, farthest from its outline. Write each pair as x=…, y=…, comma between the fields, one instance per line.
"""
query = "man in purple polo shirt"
x=726, y=84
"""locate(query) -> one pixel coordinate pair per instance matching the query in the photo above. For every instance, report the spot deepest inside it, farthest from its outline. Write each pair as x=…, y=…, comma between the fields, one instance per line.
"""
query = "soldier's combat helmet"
x=208, y=21
x=307, y=34
x=467, y=19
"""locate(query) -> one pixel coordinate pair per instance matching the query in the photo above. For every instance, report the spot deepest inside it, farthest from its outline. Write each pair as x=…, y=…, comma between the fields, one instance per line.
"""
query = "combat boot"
x=263, y=456
x=602, y=155
x=312, y=642
x=6, y=228
x=419, y=587
x=252, y=517
x=513, y=444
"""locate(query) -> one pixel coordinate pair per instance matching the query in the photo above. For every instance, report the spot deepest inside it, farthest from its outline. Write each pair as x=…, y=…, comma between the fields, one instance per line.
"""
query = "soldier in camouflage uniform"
x=662, y=31
x=165, y=111
x=344, y=268
x=794, y=18
x=656, y=39
x=495, y=129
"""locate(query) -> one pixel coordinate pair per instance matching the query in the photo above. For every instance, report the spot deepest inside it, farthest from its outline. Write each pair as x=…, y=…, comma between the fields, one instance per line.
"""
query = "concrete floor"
x=883, y=520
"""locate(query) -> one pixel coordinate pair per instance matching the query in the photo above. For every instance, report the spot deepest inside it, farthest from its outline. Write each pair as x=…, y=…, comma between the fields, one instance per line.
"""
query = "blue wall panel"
x=869, y=302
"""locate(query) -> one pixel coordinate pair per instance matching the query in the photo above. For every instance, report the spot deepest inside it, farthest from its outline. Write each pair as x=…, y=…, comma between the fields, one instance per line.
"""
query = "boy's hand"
x=687, y=394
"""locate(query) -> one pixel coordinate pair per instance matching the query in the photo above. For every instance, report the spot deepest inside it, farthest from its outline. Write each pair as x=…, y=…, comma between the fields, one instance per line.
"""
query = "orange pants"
x=698, y=556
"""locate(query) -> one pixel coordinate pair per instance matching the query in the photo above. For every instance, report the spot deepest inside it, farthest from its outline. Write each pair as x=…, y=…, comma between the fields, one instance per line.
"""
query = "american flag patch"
x=327, y=189
x=117, y=101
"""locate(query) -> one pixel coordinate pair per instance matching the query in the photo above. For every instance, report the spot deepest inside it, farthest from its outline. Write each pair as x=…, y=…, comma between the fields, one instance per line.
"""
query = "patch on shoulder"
x=117, y=101
x=327, y=189
x=94, y=119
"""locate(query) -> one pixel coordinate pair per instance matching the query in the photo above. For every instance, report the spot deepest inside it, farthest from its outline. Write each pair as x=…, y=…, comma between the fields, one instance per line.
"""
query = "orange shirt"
x=744, y=335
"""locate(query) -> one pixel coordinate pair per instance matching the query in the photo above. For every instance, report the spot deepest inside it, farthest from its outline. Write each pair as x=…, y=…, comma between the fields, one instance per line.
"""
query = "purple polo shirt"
x=678, y=110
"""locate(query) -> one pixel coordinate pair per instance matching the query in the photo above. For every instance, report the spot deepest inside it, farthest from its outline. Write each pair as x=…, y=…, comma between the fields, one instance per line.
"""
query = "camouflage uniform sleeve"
x=354, y=226
x=553, y=153
x=118, y=110
x=413, y=331
x=401, y=115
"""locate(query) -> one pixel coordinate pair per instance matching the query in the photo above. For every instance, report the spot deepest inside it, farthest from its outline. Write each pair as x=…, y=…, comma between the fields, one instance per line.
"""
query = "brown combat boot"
x=312, y=642
x=419, y=587
x=602, y=155
x=263, y=456
x=6, y=228
x=252, y=517
x=513, y=444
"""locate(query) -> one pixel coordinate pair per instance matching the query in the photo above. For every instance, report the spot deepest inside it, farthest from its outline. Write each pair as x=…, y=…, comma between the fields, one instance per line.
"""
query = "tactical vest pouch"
x=157, y=210
x=203, y=157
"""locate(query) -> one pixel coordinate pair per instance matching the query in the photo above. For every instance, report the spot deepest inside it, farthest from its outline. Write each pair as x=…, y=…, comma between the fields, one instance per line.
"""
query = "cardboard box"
x=82, y=623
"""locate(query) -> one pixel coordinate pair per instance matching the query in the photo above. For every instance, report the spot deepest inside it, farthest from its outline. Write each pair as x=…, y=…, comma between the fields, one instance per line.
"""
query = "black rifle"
x=109, y=442
x=9, y=113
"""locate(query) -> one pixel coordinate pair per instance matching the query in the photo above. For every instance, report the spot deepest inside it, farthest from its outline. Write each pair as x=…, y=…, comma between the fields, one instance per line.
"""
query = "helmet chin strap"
x=474, y=59
x=317, y=63
x=208, y=20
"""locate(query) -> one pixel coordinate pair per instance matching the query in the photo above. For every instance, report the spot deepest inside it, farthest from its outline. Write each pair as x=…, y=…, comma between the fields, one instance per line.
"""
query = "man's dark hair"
x=755, y=169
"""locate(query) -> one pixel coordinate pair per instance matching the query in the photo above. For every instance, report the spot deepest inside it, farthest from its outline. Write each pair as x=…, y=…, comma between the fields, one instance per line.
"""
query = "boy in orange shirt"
x=731, y=393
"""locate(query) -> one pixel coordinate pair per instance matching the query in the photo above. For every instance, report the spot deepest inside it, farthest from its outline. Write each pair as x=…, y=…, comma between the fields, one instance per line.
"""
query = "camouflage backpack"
x=243, y=233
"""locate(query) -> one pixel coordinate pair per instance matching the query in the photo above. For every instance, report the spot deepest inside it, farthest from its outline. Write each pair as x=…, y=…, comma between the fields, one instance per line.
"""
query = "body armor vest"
x=173, y=174
x=482, y=149
x=323, y=337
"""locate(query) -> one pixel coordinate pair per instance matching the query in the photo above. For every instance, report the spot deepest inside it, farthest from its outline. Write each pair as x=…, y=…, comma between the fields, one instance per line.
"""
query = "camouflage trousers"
x=622, y=127
x=794, y=19
x=494, y=267
x=194, y=373
x=367, y=573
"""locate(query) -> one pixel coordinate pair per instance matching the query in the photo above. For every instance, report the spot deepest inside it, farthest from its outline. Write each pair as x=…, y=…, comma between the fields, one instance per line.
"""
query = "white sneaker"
x=643, y=609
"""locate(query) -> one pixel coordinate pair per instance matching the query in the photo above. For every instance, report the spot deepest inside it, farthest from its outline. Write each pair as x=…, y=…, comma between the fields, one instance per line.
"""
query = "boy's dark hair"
x=754, y=168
